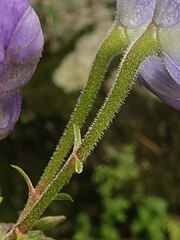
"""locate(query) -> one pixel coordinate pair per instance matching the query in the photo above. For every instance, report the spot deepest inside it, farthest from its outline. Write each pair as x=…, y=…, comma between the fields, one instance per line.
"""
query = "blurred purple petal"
x=157, y=79
x=134, y=13
x=167, y=13
x=21, y=44
x=22, y=53
x=9, y=113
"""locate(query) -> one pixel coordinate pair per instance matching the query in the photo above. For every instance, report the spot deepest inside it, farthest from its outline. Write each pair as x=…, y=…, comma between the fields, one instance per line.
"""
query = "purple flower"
x=21, y=43
x=161, y=75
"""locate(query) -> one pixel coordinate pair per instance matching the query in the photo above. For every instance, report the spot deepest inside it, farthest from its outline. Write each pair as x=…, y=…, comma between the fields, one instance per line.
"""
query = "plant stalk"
x=145, y=46
x=114, y=43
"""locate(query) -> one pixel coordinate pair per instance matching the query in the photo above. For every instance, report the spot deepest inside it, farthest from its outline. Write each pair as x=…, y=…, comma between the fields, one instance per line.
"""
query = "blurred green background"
x=130, y=185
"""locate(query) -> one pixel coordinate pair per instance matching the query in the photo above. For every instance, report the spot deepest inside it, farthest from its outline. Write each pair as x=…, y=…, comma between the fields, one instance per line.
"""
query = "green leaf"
x=78, y=166
x=49, y=222
x=26, y=178
x=63, y=197
x=77, y=137
x=1, y=199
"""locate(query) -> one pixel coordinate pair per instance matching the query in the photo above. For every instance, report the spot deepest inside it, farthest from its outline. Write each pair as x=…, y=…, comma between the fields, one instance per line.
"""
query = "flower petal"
x=169, y=39
x=173, y=67
x=135, y=13
x=11, y=12
x=9, y=114
x=22, y=53
x=158, y=80
x=167, y=13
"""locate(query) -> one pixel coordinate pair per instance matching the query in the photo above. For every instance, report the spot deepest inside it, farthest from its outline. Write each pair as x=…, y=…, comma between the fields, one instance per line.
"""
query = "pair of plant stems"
x=58, y=173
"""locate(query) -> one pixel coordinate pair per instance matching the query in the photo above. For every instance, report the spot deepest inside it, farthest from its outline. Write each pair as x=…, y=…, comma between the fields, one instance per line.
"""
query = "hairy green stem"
x=145, y=46
x=116, y=41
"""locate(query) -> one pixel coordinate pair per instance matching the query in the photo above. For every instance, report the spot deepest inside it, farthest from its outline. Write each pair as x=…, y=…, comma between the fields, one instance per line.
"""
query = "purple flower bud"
x=162, y=75
x=21, y=44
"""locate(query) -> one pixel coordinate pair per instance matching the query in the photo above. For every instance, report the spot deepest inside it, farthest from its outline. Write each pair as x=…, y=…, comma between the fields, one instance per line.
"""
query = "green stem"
x=115, y=42
x=145, y=46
